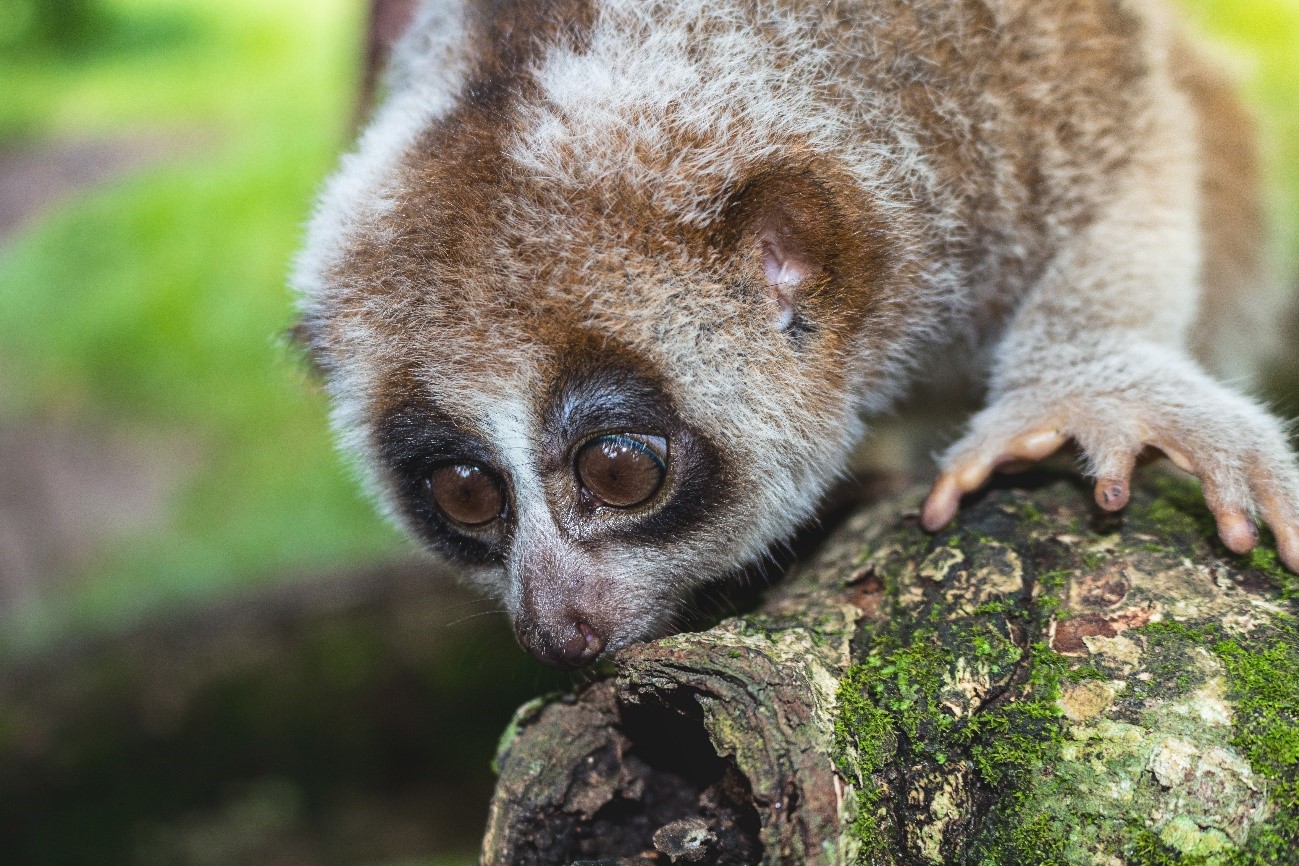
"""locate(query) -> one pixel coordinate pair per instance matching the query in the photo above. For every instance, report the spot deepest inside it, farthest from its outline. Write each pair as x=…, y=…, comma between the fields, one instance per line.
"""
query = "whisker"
x=471, y=602
x=474, y=616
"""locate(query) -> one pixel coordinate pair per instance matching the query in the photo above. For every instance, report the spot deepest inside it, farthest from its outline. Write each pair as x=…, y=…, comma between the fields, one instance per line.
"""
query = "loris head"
x=596, y=398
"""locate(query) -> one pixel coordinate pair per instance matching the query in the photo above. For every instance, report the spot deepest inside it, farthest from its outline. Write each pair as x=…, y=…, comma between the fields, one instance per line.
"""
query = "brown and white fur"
x=745, y=226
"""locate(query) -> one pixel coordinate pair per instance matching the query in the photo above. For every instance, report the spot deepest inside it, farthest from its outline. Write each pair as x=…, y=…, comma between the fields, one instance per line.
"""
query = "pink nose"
x=566, y=645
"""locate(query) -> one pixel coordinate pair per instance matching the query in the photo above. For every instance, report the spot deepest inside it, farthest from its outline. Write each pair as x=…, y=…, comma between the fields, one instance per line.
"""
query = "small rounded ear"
x=786, y=269
x=785, y=221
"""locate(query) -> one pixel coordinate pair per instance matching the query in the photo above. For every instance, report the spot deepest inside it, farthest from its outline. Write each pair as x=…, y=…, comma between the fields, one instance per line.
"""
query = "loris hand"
x=1237, y=450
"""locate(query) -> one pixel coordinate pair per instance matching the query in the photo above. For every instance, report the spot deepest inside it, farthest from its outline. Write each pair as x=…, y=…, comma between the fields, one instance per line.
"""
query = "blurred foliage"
x=59, y=24
x=156, y=303
x=226, y=67
x=1258, y=42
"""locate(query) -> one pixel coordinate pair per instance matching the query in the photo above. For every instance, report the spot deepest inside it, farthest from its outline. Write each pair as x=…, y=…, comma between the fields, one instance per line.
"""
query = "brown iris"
x=467, y=493
x=623, y=470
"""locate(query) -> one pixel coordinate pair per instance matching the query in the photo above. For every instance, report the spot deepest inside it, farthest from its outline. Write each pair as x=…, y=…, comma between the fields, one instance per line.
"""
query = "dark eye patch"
x=414, y=439
x=605, y=388
x=613, y=398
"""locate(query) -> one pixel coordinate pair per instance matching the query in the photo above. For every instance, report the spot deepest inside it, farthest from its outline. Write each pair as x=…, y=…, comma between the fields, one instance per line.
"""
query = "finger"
x=1283, y=517
x=1027, y=449
x=1113, y=468
x=1287, y=546
x=1229, y=500
x=969, y=473
x=942, y=503
x=972, y=476
x=1112, y=494
x=1180, y=460
x=1237, y=530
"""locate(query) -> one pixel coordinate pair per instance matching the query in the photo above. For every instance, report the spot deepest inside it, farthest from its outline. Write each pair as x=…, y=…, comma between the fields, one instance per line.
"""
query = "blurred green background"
x=154, y=304
x=169, y=495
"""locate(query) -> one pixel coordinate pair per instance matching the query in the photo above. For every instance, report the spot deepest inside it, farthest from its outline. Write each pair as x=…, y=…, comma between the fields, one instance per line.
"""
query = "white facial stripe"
x=512, y=428
x=512, y=431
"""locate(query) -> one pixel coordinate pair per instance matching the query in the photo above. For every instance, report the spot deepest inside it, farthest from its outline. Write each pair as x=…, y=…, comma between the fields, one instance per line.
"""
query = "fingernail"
x=932, y=519
x=1111, y=495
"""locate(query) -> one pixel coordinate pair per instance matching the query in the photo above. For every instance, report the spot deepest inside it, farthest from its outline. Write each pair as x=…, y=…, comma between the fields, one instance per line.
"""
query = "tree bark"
x=1039, y=683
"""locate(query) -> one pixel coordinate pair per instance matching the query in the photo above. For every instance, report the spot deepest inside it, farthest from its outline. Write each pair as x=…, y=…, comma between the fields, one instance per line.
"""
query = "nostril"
x=571, y=642
x=574, y=646
x=583, y=645
x=594, y=640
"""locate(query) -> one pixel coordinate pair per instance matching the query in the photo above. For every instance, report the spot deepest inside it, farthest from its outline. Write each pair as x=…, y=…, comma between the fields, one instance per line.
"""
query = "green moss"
x=1178, y=509
x=864, y=744
x=1093, y=560
x=895, y=709
x=1021, y=736
x=1053, y=581
x=1168, y=648
x=1084, y=673
x=1032, y=837
x=1043, y=792
x=1147, y=849
x=1012, y=745
x=1030, y=512
x=1171, y=629
x=522, y=716
x=1265, y=688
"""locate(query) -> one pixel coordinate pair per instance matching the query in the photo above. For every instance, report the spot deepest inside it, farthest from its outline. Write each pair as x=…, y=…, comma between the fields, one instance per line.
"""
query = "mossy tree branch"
x=1038, y=684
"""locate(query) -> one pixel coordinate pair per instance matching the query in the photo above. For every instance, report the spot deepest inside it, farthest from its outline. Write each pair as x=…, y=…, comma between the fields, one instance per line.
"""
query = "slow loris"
x=608, y=289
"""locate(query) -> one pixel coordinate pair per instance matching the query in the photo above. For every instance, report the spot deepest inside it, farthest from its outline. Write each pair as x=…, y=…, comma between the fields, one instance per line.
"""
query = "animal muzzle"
x=567, y=641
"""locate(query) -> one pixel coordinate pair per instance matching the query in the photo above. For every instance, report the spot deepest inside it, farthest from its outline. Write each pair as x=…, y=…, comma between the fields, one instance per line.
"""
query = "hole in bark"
x=675, y=797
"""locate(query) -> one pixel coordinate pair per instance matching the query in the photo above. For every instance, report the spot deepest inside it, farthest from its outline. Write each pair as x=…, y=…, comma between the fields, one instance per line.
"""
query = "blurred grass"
x=154, y=304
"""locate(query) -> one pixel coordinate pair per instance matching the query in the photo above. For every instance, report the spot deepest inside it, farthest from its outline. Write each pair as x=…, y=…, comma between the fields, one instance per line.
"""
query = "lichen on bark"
x=1038, y=684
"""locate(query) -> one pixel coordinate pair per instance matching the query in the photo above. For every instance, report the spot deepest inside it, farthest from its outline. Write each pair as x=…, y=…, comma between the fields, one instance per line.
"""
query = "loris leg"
x=1096, y=354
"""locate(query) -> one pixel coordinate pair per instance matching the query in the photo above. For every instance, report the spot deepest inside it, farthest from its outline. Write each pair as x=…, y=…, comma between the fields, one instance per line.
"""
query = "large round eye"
x=621, y=469
x=466, y=493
